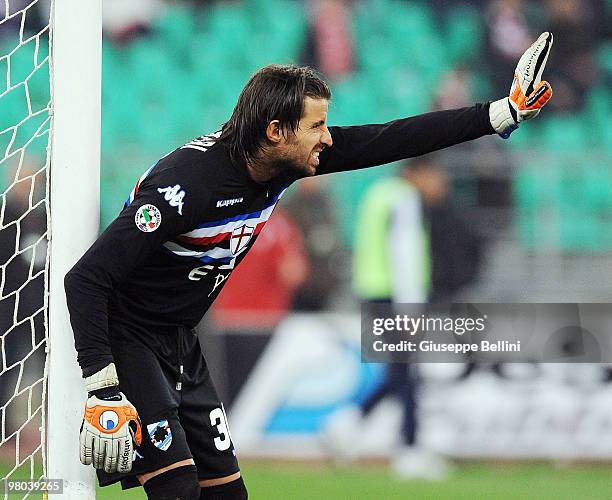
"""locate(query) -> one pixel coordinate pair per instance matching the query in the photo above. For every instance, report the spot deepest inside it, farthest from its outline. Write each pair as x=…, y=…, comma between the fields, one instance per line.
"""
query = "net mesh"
x=25, y=116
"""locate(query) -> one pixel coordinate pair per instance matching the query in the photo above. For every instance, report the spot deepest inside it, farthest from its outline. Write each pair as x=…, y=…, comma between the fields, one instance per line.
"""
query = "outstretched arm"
x=370, y=145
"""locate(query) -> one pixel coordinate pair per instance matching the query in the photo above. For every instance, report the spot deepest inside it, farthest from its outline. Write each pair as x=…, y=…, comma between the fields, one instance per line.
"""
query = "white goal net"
x=50, y=77
x=25, y=118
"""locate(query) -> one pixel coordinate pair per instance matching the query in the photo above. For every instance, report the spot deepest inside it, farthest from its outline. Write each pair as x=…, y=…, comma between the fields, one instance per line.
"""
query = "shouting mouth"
x=315, y=157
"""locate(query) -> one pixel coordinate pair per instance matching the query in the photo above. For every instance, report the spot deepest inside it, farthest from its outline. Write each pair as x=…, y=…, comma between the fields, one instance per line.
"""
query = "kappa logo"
x=240, y=238
x=148, y=218
x=230, y=202
x=160, y=434
x=174, y=196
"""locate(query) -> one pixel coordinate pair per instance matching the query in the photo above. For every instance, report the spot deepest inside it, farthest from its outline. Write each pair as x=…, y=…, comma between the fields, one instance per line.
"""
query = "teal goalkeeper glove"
x=528, y=93
x=110, y=425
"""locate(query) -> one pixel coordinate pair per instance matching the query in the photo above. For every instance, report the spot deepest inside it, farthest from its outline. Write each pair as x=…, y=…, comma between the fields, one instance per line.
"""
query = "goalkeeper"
x=152, y=416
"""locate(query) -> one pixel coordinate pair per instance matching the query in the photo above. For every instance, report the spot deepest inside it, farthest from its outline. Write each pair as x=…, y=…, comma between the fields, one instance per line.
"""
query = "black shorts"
x=177, y=424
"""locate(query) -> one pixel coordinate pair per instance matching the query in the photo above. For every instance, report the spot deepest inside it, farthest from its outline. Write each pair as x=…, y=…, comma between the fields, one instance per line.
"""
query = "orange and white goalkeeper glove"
x=110, y=425
x=528, y=93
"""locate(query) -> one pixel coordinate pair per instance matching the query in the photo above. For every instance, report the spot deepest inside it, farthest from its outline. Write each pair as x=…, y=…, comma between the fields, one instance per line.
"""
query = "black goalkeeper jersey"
x=193, y=216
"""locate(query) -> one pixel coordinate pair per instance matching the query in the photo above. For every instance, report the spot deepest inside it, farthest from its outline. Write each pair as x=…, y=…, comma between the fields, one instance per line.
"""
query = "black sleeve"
x=117, y=251
x=370, y=145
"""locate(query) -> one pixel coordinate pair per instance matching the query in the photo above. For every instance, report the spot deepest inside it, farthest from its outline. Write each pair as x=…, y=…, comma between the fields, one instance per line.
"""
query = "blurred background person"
x=124, y=20
x=329, y=43
x=311, y=207
x=508, y=35
x=11, y=13
x=577, y=25
x=410, y=248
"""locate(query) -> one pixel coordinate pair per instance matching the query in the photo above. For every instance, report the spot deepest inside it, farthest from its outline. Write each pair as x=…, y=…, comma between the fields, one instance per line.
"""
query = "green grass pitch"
x=474, y=481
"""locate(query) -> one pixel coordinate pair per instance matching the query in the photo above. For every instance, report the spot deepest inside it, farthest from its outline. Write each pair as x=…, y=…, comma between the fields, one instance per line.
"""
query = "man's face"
x=300, y=151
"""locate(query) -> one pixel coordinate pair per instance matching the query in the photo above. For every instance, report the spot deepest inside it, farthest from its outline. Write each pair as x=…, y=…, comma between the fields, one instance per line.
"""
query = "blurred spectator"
x=329, y=45
x=311, y=207
x=480, y=166
x=36, y=16
x=572, y=69
x=408, y=247
x=455, y=246
x=122, y=20
x=508, y=36
x=454, y=89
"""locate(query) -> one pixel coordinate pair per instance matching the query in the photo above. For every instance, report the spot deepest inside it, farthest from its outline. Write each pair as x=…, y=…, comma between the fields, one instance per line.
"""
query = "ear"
x=273, y=132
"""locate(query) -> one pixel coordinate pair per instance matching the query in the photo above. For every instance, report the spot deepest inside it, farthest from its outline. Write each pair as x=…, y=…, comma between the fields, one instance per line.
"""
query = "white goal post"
x=76, y=55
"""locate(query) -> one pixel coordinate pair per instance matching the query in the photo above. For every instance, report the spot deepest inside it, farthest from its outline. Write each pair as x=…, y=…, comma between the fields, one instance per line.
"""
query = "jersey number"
x=219, y=420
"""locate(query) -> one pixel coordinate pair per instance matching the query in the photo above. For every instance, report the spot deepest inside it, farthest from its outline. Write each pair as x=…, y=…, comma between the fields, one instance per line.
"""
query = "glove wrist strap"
x=106, y=377
x=111, y=393
x=501, y=117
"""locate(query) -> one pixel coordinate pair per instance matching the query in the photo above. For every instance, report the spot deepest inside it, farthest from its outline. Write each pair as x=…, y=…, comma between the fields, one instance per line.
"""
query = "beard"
x=291, y=165
x=288, y=161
